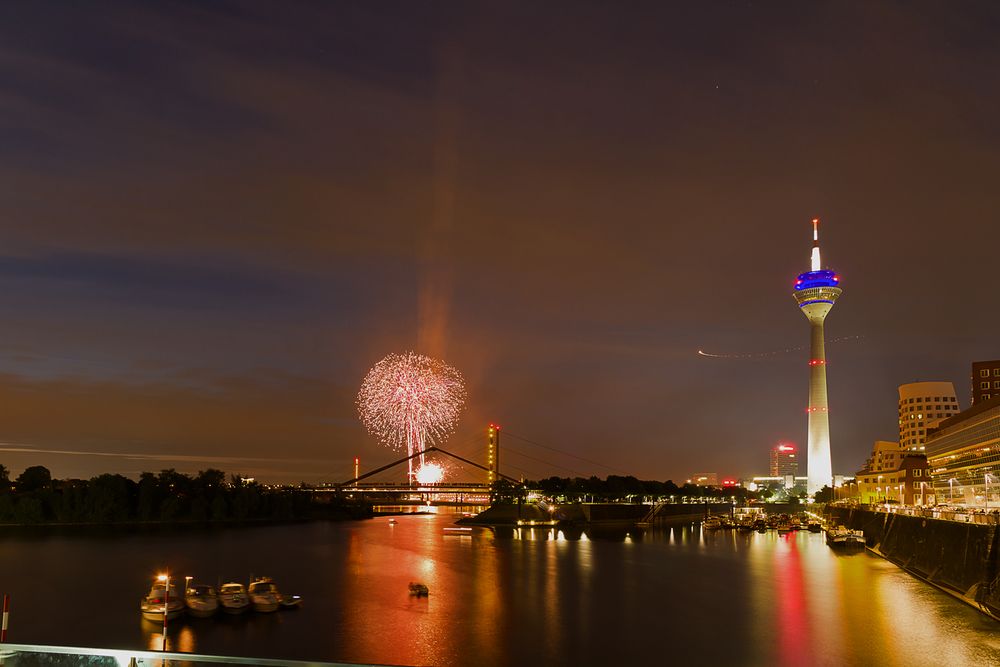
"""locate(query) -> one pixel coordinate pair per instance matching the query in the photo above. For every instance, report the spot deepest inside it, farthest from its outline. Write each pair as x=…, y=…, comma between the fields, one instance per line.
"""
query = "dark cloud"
x=565, y=200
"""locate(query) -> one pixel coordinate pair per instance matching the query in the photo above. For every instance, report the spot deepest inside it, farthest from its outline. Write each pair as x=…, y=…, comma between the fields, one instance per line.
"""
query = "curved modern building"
x=922, y=405
x=816, y=291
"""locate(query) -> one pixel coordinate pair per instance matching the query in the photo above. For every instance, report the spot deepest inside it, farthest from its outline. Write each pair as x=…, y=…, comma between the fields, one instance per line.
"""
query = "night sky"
x=216, y=217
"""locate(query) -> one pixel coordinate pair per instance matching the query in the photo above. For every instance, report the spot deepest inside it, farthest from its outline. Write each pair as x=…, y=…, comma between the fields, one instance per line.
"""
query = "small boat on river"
x=159, y=601
x=233, y=598
x=419, y=590
x=201, y=600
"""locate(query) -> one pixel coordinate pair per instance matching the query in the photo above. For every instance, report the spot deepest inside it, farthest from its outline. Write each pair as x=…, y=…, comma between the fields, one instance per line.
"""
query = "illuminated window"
x=984, y=385
x=996, y=372
x=984, y=373
x=916, y=473
x=996, y=384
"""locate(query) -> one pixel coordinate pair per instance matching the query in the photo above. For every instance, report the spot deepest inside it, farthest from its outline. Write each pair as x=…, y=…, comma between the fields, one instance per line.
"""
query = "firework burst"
x=430, y=473
x=409, y=401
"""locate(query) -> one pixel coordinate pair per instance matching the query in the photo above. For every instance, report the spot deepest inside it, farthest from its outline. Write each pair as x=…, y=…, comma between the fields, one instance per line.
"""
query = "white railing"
x=30, y=653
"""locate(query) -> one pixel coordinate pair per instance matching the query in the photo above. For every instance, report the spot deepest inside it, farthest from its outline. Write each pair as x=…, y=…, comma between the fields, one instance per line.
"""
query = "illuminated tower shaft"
x=816, y=291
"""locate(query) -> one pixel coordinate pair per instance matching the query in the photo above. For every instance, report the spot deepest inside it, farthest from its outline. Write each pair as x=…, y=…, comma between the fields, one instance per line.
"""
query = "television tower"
x=815, y=292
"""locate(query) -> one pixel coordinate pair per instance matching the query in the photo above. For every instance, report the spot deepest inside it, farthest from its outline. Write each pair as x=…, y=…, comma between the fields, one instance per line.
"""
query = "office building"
x=922, y=405
x=784, y=460
x=985, y=380
x=964, y=456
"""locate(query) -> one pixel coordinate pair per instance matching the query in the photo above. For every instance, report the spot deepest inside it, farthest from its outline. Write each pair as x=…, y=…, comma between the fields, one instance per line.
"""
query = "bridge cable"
x=560, y=451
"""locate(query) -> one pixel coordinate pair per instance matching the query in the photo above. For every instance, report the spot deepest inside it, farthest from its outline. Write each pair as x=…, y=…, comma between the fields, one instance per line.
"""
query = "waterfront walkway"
x=947, y=513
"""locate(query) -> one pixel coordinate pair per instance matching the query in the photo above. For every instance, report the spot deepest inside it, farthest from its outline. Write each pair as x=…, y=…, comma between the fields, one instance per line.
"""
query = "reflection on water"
x=525, y=596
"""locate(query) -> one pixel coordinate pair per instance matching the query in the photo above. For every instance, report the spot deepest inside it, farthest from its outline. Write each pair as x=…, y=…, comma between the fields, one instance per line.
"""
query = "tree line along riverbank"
x=35, y=498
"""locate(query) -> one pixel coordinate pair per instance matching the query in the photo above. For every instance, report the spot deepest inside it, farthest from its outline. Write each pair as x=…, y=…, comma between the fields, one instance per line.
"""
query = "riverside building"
x=896, y=475
x=783, y=461
x=985, y=380
x=963, y=452
x=922, y=406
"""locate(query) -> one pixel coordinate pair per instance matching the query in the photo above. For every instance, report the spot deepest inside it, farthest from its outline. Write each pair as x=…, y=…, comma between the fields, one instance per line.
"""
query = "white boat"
x=201, y=600
x=233, y=598
x=264, y=595
x=159, y=600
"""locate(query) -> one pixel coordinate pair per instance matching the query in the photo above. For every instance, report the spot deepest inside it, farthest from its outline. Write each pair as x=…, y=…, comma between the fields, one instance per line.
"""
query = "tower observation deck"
x=816, y=291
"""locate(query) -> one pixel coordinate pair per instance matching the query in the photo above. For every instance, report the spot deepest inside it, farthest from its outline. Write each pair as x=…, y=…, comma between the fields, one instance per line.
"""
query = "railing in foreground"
x=34, y=654
x=965, y=515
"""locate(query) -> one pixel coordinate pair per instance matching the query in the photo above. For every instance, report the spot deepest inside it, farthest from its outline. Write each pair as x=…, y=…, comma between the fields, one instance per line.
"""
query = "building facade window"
x=984, y=373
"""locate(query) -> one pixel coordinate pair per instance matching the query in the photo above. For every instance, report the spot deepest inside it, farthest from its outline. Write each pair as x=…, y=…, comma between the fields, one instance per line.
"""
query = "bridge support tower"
x=493, y=453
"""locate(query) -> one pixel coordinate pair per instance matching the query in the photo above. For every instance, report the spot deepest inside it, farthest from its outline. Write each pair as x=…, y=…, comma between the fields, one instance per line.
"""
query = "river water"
x=528, y=597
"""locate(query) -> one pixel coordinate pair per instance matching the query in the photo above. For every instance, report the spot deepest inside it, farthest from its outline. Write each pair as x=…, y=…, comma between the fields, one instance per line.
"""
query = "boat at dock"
x=159, y=601
x=712, y=523
x=233, y=598
x=201, y=600
x=419, y=590
x=264, y=595
x=841, y=536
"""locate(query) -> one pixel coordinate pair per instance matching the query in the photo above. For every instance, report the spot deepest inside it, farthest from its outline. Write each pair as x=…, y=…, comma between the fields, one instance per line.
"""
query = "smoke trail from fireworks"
x=409, y=401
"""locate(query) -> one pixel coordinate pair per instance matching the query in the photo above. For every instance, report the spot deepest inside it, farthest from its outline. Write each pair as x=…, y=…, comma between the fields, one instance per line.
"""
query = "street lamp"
x=986, y=476
x=922, y=503
x=901, y=496
x=165, y=578
x=879, y=484
x=951, y=491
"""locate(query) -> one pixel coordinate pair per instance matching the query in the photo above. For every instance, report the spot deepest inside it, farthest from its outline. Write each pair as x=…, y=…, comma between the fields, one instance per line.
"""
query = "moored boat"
x=419, y=590
x=159, y=601
x=712, y=523
x=841, y=536
x=201, y=600
x=233, y=598
x=264, y=595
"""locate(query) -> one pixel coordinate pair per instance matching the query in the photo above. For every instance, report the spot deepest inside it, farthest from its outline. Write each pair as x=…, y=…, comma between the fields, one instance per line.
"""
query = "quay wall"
x=958, y=557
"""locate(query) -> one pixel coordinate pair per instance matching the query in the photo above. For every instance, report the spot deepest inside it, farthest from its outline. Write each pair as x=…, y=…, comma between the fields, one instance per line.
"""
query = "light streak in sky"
x=773, y=353
x=409, y=401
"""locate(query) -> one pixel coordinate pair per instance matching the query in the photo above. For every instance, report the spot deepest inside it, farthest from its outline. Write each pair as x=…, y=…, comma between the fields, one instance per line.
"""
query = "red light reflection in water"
x=793, y=632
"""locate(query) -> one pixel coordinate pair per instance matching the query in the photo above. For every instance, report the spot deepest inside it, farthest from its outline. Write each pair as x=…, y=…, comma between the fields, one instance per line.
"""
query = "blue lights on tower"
x=816, y=279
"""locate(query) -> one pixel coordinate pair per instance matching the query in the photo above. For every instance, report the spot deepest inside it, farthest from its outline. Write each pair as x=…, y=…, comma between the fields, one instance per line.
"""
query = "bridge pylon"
x=493, y=453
